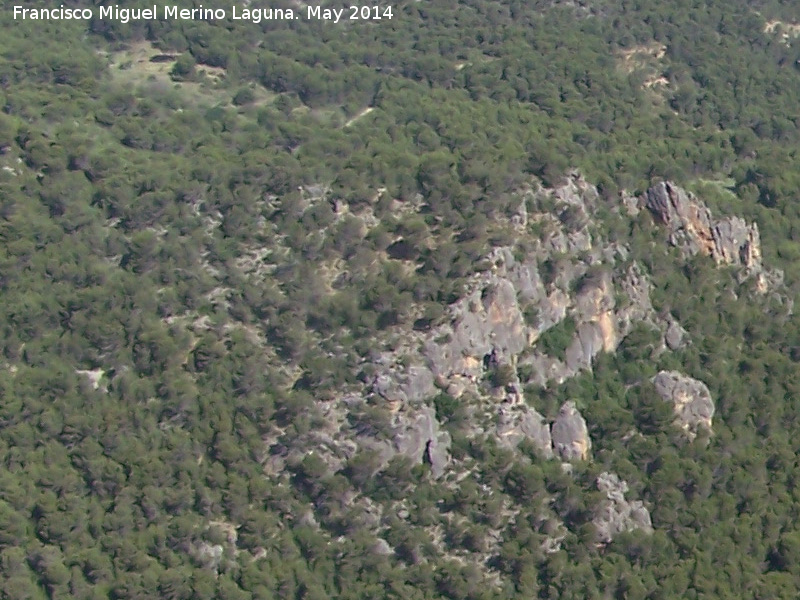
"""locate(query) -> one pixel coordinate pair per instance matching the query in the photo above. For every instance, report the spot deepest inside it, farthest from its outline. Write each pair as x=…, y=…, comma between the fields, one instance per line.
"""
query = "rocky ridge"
x=570, y=274
x=536, y=317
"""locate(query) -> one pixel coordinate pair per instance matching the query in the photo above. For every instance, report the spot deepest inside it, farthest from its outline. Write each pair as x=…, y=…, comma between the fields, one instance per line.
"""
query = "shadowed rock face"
x=690, y=398
x=616, y=514
x=570, y=436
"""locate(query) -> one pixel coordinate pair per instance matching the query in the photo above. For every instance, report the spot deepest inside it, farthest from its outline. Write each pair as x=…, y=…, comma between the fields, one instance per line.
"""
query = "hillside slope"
x=487, y=300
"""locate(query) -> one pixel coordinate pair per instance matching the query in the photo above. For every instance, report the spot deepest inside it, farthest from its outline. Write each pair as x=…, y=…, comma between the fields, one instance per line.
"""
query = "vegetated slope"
x=214, y=286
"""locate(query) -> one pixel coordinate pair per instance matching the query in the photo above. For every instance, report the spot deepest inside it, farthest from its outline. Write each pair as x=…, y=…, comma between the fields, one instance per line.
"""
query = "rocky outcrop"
x=675, y=337
x=687, y=219
x=488, y=321
x=404, y=385
x=491, y=343
x=517, y=424
x=570, y=435
x=417, y=436
x=616, y=514
x=729, y=241
x=690, y=398
x=566, y=273
x=386, y=428
x=737, y=243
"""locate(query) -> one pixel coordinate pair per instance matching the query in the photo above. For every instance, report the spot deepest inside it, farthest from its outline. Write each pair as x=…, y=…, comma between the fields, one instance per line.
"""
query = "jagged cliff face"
x=729, y=241
x=571, y=274
x=538, y=318
x=584, y=276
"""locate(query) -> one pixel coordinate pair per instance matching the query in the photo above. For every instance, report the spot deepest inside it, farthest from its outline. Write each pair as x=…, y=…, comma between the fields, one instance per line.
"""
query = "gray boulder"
x=488, y=320
x=630, y=204
x=616, y=514
x=675, y=336
x=588, y=342
x=690, y=398
x=552, y=310
x=570, y=435
x=737, y=243
x=576, y=191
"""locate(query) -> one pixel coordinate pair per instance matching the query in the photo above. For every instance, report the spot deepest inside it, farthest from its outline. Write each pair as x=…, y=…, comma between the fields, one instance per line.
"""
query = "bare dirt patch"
x=656, y=81
x=646, y=61
x=642, y=56
x=363, y=113
x=786, y=30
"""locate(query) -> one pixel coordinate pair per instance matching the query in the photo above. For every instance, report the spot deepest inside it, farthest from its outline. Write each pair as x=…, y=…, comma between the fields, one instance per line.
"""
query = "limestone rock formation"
x=567, y=271
x=405, y=385
x=690, y=398
x=675, y=336
x=589, y=341
x=515, y=425
x=687, y=219
x=488, y=321
x=570, y=435
x=737, y=243
x=418, y=437
x=411, y=431
x=616, y=514
x=729, y=241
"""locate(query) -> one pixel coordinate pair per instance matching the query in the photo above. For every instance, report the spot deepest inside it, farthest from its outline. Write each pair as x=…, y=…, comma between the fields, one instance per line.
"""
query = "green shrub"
x=555, y=341
x=244, y=96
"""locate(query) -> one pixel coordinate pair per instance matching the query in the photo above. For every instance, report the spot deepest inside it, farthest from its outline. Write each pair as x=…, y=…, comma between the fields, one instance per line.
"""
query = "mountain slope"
x=417, y=308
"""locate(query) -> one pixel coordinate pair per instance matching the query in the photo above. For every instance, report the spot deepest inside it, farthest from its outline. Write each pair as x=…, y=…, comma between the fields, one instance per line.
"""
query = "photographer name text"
x=175, y=13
